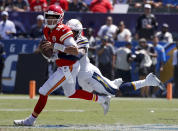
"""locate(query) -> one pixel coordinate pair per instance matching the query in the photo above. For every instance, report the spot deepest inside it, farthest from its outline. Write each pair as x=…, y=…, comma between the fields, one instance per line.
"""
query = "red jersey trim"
x=64, y=62
x=65, y=36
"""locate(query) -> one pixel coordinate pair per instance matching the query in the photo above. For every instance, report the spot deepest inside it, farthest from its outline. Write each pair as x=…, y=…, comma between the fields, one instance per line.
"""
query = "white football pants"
x=91, y=80
x=64, y=76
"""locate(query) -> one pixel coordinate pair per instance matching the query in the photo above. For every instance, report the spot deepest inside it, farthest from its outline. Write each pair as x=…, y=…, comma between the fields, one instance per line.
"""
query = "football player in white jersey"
x=90, y=77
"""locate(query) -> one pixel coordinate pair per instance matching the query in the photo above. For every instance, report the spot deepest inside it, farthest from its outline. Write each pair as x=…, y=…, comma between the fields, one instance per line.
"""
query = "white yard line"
x=22, y=110
x=13, y=97
x=163, y=109
x=78, y=110
x=147, y=127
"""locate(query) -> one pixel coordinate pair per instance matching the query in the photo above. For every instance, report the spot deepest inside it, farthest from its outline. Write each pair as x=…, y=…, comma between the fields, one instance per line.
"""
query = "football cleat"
x=106, y=104
x=26, y=122
x=152, y=80
x=118, y=82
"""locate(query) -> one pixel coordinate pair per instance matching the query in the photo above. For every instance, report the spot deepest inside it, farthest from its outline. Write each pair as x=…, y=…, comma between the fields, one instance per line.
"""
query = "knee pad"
x=41, y=91
x=44, y=89
x=69, y=92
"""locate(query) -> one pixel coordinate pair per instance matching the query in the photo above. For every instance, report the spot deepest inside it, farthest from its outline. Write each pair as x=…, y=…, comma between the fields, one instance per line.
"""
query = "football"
x=48, y=53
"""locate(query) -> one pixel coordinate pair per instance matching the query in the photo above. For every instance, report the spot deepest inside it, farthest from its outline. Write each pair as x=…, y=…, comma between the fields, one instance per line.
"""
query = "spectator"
x=37, y=29
x=105, y=54
x=20, y=5
x=146, y=24
x=153, y=54
x=144, y=62
x=164, y=35
x=123, y=63
x=38, y=5
x=78, y=6
x=154, y=3
x=157, y=3
x=90, y=36
x=170, y=3
x=92, y=41
x=88, y=3
x=2, y=5
x=9, y=5
x=122, y=34
x=108, y=29
x=101, y=6
x=62, y=3
x=175, y=64
x=29, y=1
x=2, y=59
x=161, y=59
x=119, y=2
x=7, y=27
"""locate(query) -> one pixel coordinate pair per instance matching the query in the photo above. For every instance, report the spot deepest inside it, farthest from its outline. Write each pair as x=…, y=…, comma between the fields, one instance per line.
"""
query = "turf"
x=63, y=111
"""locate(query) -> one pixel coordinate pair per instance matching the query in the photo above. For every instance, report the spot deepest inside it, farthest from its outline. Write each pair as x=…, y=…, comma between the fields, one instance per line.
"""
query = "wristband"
x=59, y=47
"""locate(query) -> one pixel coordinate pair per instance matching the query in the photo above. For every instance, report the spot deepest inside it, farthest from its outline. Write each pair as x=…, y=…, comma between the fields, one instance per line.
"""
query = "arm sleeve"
x=70, y=42
x=13, y=28
x=129, y=33
x=154, y=22
x=83, y=43
x=170, y=39
x=66, y=34
x=100, y=31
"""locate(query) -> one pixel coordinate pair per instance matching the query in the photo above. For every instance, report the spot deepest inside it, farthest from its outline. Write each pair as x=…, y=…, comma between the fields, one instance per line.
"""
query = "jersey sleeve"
x=83, y=43
x=13, y=29
x=65, y=33
x=100, y=31
x=45, y=32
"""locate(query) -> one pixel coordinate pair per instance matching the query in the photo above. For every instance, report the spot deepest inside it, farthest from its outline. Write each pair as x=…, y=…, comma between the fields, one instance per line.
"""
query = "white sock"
x=32, y=118
x=101, y=99
x=139, y=84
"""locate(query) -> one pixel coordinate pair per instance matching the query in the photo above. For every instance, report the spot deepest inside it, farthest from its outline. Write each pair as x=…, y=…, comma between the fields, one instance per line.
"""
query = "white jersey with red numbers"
x=90, y=77
x=68, y=65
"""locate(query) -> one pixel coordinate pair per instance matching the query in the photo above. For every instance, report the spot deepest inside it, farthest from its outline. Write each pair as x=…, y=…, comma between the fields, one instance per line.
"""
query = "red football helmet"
x=53, y=16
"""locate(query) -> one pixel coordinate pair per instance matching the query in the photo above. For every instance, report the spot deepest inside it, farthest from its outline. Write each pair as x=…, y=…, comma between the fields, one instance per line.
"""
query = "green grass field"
x=70, y=114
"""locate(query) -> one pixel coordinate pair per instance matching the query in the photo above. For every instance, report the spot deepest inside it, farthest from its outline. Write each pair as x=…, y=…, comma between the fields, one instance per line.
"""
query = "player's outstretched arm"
x=72, y=50
x=69, y=46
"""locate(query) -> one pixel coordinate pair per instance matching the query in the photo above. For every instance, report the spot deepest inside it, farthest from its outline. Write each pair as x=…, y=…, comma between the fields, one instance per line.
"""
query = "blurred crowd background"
x=102, y=6
x=117, y=49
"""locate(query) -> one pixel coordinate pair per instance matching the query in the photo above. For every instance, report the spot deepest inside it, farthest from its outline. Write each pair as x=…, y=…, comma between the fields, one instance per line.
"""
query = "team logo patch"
x=106, y=85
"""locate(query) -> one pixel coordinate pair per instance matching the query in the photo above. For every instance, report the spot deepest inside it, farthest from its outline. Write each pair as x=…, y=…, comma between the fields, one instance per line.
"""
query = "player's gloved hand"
x=72, y=50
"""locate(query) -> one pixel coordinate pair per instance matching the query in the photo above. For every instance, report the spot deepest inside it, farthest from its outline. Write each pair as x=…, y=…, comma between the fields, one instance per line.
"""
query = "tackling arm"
x=69, y=47
x=82, y=52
